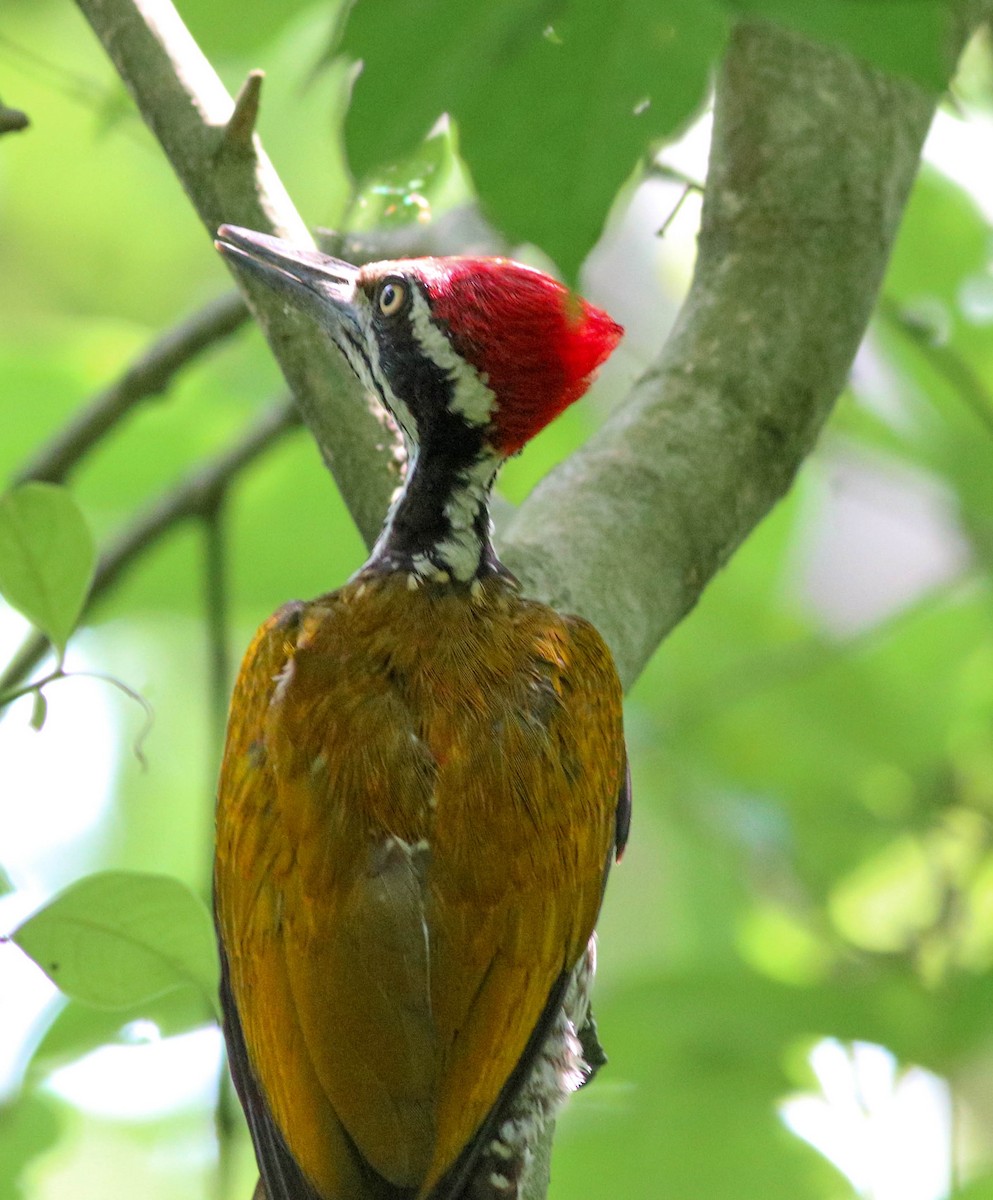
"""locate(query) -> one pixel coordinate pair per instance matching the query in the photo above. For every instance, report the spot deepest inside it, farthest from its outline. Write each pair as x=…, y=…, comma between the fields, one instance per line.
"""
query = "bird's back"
x=416, y=814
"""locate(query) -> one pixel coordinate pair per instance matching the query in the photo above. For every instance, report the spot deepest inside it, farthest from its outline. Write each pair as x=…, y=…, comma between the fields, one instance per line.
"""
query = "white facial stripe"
x=357, y=361
x=401, y=414
x=370, y=373
x=471, y=398
x=460, y=553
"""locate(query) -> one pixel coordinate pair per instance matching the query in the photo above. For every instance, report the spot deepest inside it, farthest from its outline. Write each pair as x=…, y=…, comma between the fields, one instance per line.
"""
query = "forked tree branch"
x=812, y=159
x=813, y=156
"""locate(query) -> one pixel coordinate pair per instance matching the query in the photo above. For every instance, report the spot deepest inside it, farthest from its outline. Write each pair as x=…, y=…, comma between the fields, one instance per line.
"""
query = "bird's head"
x=477, y=348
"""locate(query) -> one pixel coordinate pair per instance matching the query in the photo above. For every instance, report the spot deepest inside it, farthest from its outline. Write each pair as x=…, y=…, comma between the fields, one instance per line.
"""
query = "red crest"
x=537, y=343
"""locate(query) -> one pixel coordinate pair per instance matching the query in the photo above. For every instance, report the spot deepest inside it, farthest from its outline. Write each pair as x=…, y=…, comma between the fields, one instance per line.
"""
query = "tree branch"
x=812, y=159
x=228, y=177
x=153, y=372
x=147, y=376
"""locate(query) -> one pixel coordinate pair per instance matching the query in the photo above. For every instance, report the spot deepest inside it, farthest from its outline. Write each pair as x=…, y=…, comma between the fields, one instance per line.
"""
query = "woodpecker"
x=424, y=782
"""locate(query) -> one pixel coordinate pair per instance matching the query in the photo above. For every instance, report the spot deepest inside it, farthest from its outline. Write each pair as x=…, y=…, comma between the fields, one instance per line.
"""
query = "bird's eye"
x=391, y=297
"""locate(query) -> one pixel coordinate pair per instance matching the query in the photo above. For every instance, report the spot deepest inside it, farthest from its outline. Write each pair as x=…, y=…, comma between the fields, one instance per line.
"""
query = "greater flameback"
x=424, y=783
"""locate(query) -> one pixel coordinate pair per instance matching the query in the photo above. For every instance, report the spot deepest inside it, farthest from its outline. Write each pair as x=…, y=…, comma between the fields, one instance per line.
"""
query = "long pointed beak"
x=314, y=282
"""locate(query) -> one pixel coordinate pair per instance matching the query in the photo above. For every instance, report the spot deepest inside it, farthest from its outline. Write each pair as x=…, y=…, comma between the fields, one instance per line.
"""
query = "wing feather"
x=282, y=1178
x=417, y=804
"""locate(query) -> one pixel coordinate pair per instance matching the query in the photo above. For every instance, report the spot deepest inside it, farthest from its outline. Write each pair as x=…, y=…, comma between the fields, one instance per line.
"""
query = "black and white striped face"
x=472, y=356
x=444, y=409
x=380, y=317
x=402, y=354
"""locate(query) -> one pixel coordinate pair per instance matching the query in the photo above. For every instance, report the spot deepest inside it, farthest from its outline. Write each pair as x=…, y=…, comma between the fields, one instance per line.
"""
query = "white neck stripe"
x=471, y=398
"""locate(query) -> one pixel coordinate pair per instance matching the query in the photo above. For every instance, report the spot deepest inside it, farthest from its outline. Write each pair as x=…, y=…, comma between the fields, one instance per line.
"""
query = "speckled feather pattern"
x=417, y=810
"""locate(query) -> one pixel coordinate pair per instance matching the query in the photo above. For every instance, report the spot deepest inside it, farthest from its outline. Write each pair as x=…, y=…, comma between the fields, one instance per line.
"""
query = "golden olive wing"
x=520, y=865
x=425, y=856
x=288, y=1112
x=315, y=915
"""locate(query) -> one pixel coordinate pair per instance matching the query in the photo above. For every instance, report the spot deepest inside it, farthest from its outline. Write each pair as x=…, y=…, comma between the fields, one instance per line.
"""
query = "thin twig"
x=37, y=686
x=191, y=498
x=80, y=88
x=950, y=365
x=147, y=376
x=663, y=229
x=670, y=174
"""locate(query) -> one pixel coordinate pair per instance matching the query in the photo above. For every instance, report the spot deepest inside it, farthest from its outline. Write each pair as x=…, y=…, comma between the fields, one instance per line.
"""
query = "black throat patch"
x=449, y=450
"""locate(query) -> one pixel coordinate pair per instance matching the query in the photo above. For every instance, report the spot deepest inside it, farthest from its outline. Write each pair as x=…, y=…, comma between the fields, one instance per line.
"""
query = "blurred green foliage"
x=812, y=853
x=581, y=98
x=550, y=167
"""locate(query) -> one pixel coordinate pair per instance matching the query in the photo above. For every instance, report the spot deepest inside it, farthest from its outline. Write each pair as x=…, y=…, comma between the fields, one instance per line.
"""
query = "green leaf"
x=904, y=37
x=943, y=239
x=6, y=886
x=408, y=190
x=47, y=556
x=555, y=103
x=119, y=939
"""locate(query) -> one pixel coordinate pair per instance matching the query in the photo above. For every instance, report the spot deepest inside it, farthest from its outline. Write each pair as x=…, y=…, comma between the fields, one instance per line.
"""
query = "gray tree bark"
x=812, y=159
